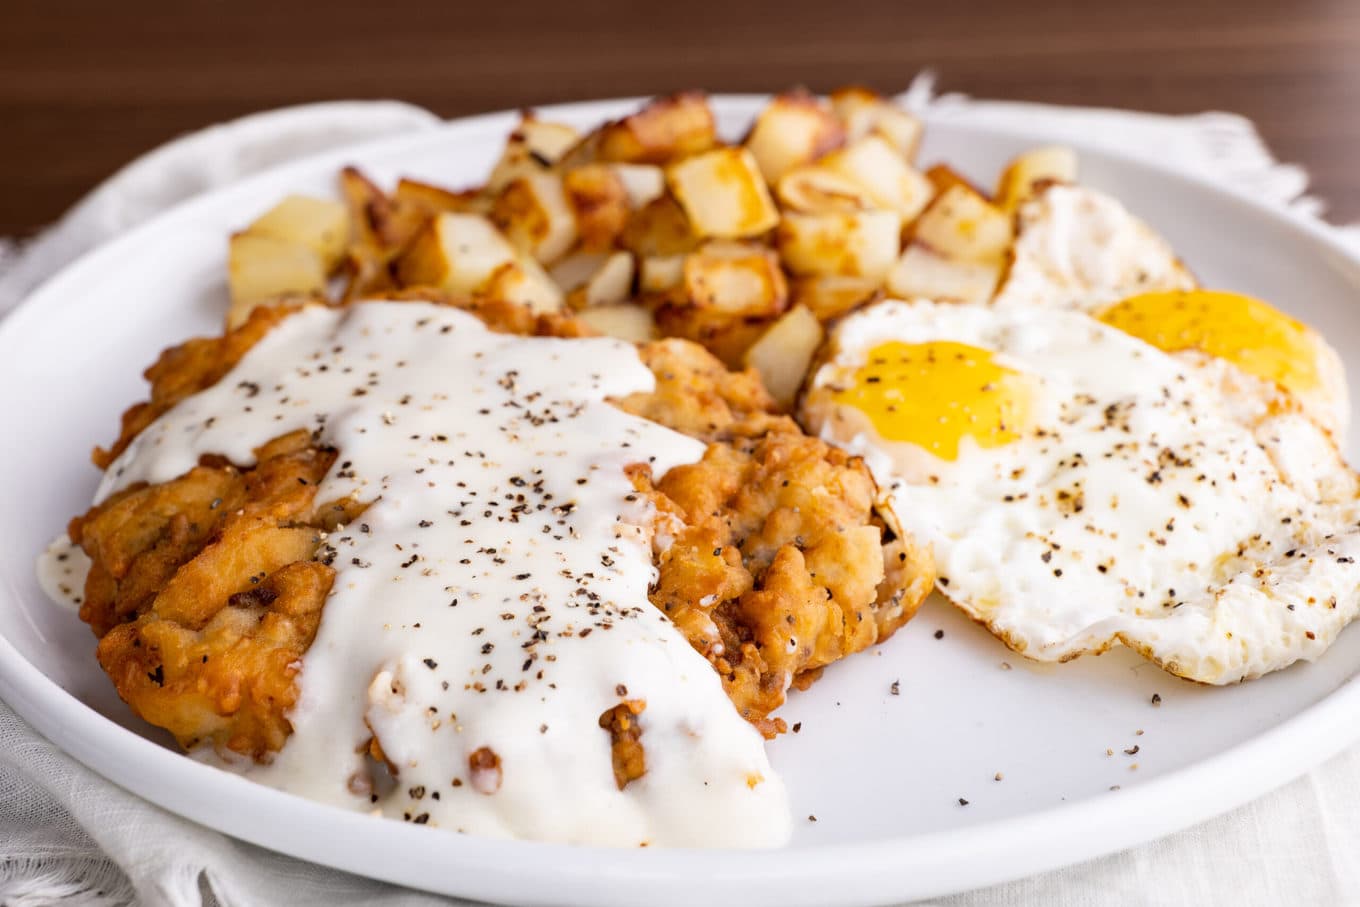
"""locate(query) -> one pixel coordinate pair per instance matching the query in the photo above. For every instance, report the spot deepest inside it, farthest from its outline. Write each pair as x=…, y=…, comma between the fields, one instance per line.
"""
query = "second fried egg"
x=1081, y=487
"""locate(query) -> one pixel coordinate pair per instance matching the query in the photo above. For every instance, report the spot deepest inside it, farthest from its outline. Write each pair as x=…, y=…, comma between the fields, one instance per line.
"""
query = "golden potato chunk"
x=962, y=225
x=457, y=253
x=260, y=268
x=881, y=171
x=830, y=296
x=723, y=194
x=819, y=190
x=623, y=322
x=794, y=128
x=600, y=202
x=319, y=224
x=1030, y=172
x=783, y=353
x=865, y=112
x=534, y=213
x=736, y=279
x=858, y=244
x=667, y=129
x=524, y=282
x=531, y=149
x=922, y=274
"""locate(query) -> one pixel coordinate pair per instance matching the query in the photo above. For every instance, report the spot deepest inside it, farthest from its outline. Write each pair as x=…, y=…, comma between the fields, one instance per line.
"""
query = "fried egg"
x=1077, y=248
x=1082, y=488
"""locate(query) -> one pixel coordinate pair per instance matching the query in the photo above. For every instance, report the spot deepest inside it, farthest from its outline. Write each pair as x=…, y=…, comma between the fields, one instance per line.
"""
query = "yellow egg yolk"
x=933, y=394
x=1247, y=332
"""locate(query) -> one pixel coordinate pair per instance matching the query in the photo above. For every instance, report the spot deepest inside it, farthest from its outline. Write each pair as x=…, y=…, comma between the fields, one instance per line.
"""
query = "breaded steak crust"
x=774, y=558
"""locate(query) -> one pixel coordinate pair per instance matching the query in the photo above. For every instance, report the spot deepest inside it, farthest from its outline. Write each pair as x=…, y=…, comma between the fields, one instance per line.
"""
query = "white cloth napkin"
x=67, y=835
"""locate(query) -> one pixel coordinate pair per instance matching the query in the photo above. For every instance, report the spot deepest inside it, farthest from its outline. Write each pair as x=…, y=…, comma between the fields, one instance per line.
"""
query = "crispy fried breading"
x=206, y=590
x=204, y=593
x=779, y=565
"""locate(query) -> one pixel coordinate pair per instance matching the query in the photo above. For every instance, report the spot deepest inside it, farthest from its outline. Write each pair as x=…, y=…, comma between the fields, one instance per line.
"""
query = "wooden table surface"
x=84, y=87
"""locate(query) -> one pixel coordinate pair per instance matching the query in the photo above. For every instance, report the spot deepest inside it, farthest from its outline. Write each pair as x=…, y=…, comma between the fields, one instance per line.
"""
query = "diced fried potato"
x=884, y=174
x=382, y=225
x=626, y=322
x=574, y=270
x=961, y=224
x=921, y=274
x=1033, y=170
x=902, y=130
x=599, y=200
x=533, y=147
x=725, y=335
x=860, y=244
x=783, y=353
x=457, y=253
x=659, y=228
x=261, y=267
x=534, y=214
x=318, y=223
x=643, y=182
x=659, y=273
x=832, y=295
x=943, y=177
x=815, y=190
x=857, y=108
x=666, y=129
x=795, y=128
x=863, y=111
x=611, y=284
x=735, y=279
x=523, y=281
x=723, y=194
x=595, y=278
x=437, y=199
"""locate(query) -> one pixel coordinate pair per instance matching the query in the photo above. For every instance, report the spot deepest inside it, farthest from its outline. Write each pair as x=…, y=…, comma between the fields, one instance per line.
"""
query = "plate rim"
x=863, y=872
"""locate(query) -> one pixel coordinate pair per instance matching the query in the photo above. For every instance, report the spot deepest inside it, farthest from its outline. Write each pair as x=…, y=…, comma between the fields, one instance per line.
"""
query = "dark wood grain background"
x=84, y=87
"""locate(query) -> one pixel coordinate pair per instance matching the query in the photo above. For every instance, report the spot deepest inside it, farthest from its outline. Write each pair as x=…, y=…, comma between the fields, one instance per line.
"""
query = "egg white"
x=1143, y=504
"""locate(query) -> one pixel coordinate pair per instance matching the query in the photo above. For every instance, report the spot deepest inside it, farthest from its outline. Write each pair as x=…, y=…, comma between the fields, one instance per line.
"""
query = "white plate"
x=883, y=774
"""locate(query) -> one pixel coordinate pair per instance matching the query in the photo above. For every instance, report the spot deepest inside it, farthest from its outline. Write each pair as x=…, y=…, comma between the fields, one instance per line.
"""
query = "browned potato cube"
x=795, y=128
x=818, y=190
x=609, y=284
x=784, y=352
x=534, y=214
x=723, y=194
x=1032, y=171
x=599, y=200
x=735, y=279
x=533, y=147
x=922, y=274
x=665, y=130
x=860, y=244
x=643, y=183
x=261, y=267
x=943, y=177
x=830, y=296
x=963, y=225
x=864, y=112
x=659, y=228
x=457, y=253
x=625, y=322
x=436, y=199
x=321, y=224
x=524, y=281
x=659, y=273
x=881, y=171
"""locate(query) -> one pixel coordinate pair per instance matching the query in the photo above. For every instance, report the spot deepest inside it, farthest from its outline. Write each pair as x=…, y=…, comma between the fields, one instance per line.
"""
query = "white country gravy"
x=492, y=600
